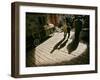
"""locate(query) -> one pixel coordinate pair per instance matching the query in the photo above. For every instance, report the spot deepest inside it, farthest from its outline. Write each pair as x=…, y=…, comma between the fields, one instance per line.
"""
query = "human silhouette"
x=66, y=29
x=78, y=27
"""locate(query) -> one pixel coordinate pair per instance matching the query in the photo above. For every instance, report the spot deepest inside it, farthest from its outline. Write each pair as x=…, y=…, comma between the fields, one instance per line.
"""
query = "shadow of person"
x=56, y=46
x=72, y=46
x=63, y=44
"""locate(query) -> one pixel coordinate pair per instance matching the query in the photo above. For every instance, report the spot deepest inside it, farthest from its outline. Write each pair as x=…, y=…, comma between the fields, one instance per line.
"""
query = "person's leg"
x=65, y=34
x=68, y=35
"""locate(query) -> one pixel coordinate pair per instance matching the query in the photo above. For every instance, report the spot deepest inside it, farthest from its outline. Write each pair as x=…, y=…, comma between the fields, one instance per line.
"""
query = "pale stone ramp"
x=44, y=57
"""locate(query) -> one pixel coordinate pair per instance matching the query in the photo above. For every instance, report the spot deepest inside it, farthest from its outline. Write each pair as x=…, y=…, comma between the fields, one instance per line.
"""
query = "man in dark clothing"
x=78, y=27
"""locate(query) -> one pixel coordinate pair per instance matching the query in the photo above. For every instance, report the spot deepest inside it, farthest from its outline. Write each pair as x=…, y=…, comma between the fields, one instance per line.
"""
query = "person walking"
x=66, y=29
x=78, y=27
